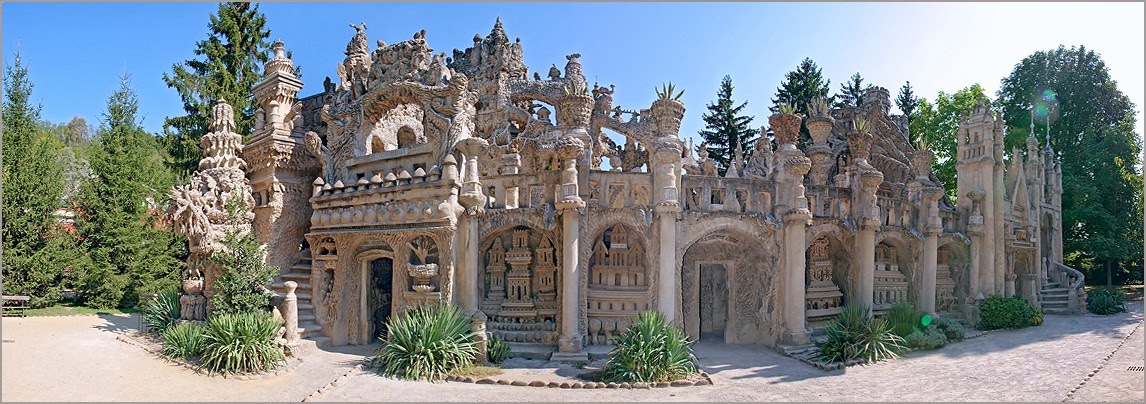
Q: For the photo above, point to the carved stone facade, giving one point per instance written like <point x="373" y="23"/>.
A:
<point x="468" y="180"/>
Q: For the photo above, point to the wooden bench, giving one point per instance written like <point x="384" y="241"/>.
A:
<point x="19" y="304"/>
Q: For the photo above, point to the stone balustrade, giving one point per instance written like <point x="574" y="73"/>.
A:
<point x="735" y="195"/>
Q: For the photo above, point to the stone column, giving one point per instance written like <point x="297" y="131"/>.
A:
<point x="792" y="206"/>
<point x="468" y="275"/>
<point x="510" y="163"/>
<point x="975" y="231"/>
<point x="795" y="272"/>
<point x="290" y="312"/>
<point x="666" y="206"/>
<point x="934" y="226"/>
<point x="569" y="203"/>
<point x="865" y="239"/>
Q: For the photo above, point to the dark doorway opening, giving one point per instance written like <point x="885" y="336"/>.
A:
<point x="381" y="295"/>
<point x="713" y="301"/>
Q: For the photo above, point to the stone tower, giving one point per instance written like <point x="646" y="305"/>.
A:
<point x="979" y="166"/>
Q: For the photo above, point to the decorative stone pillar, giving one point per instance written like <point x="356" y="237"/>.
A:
<point x="792" y="206"/>
<point x="290" y="312"/>
<point x="931" y="233"/>
<point x="868" y="212"/>
<point x="472" y="201"/>
<point x="819" y="127"/>
<point x="569" y="203"/>
<point x="666" y="208"/>
<point x="510" y="164"/>
<point x="975" y="231"/>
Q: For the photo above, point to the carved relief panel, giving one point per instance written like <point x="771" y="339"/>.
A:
<point x="890" y="282"/>
<point x="520" y="293"/>
<point x="823" y="298"/>
<point x="618" y="283"/>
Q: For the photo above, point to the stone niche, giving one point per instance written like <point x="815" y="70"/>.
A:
<point x="520" y="293"/>
<point x="944" y="283"/>
<point x="618" y="284"/>
<point x="891" y="285"/>
<point x="823" y="298"/>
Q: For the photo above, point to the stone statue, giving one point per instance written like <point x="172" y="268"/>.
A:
<point x="760" y="162"/>
<point x="554" y="73"/>
<point x="322" y="153"/>
<point x="707" y="164"/>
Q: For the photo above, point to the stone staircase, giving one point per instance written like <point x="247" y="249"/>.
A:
<point x="307" y="321"/>
<point x="1055" y="298"/>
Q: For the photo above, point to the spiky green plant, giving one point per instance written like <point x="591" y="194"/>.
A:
<point x="242" y="342"/>
<point x="161" y="313"/>
<point x="651" y="350"/>
<point x="574" y="87"/>
<point x="427" y="343"/>
<point x="787" y="108"/>
<point x="184" y="340"/>
<point x="904" y="319"/>
<point x="818" y="107"/>
<point x="853" y="334"/>
<point x="497" y="350"/>
<point x="860" y="124"/>
<point x="667" y="91"/>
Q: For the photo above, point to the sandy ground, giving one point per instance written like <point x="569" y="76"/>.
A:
<point x="79" y="359"/>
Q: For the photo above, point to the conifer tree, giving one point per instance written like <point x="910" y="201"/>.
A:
<point x="851" y="93"/>
<point x="907" y="101"/>
<point x="725" y="128"/>
<point x="33" y="184"/>
<point x="799" y="88"/>
<point x="231" y="64"/>
<point x="119" y="210"/>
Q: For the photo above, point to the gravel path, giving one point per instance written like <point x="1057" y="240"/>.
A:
<point x="79" y="359"/>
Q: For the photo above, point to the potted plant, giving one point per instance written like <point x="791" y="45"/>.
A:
<point x="859" y="140"/>
<point x="667" y="110"/>
<point x="785" y="124"/>
<point x="819" y="120"/>
<point x="576" y="108"/>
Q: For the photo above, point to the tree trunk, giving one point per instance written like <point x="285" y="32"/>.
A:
<point x="1109" y="277"/>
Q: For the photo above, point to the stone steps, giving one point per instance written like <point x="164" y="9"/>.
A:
<point x="299" y="273"/>
<point x="531" y="351"/>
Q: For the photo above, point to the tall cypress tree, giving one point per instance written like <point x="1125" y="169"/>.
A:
<point x="232" y="56"/>
<point x="119" y="210"/>
<point x="851" y="93"/>
<point x="33" y="186"/>
<point x="725" y="127"/>
<point x="800" y="87"/>
<point x="908" y="103"/>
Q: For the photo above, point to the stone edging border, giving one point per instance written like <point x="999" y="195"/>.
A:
<point x="1101" y="365"/>
<point x="292" y="363"/>
<point x="706" y="381"/>
<point x="340" y="380"/>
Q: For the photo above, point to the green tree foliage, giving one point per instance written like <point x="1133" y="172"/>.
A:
<point x="243" y="287"/>
<point x="1092" y="130"/>
<point x="937" y="123"/>
<point x="799" y="88"/>
<point x="32" y="189"/>
<point x="228" y="66"/>
<point x="851" y="93"/>
<point x="908" y="103"/>
<point x="725" y="127"/>
<point x="118" y="213"/>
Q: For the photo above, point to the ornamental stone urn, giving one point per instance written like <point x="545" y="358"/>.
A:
<point x="819" y="127"/>
<point x="786" y="127"/>
<point x="422" y="274"/>
<point x="921" y="163"/>
<point x="667" y="114"/>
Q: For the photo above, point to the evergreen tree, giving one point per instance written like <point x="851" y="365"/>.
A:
<point x="1091" y="126"/>
<point x="799" y="88"/>
<point x="725" y="128"/>
<point x="119" y="210"/>
<point x="851" y="93"/>
<point x="937" y="125"/>
<point x="907" y="103"/>
<point x="33" y="185"/>
<point x="232" y="56"/>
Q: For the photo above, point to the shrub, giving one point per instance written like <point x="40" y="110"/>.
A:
<point x="903" y="319"/>
<point x="498" y="350"/>
<point x="427" y="343"/>
<point x="1106" y="301"/>
<point x="929" y="338"/>
<point x="183" y="341"/>
<point x="1008" y="312"/>
<point x="161" y="313"/>
<point x="242" y="342"/>
<point x="950" y="328"/>
<point x="242" y="286"/>
<point x="853" y="334"/>
<point x="651" y="350"/>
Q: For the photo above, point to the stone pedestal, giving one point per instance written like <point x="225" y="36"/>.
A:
<point x="290" y="312"/>
<point x="865" y="268"/>
<point x="930" y="265"/>
<point x="795" y="270"/>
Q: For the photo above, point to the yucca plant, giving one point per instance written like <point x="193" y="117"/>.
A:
<point x="786" y="108"/>
<point x="243" y="342"/>
<point x="1106" y="301"/>
<point x="860" y="124"/>
<point x="497" y="350"/>
<point x="651" y="350"/>
<point x="573" y="87"/>
<point x="161" y="313"/>
<point x="853" y="334"/>
<point x="667" y="91"/>
<point x="184" y="340"/>
<point x="427" y="343"/>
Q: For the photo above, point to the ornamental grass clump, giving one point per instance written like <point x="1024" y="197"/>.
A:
<point x="243" y="342"/>
<point x="427" y="343"/>
<point x="1106" y="301"/>
<point x="854" y="334"/>
<point x="161" y="313"/>
<point x="651" y="350"/>
<point x="498" y="350"/>
<point x="185" y="340"/>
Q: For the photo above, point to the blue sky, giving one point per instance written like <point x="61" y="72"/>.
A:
<point x="77" y="51"/>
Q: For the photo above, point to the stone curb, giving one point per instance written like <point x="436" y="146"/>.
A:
<point x="1101" y="365"/>
<point x="339" y="381"/>
<point x="706" y="381"/>
<point x="291" y="365"/>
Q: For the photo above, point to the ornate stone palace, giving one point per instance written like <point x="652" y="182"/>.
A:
<point x="420" y="177"/>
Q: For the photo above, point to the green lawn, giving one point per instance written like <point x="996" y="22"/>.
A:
<point x="70" y="309"/>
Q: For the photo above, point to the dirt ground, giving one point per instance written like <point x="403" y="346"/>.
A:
<point x="78" y="358"/>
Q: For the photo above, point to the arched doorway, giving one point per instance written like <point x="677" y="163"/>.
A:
<point x="380" y="299"/>
<point x="713" y="300"/>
